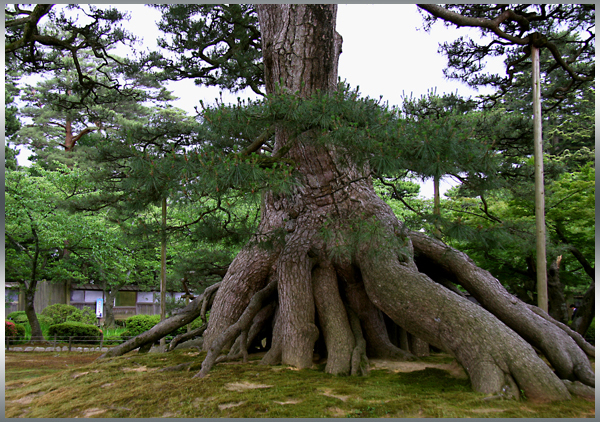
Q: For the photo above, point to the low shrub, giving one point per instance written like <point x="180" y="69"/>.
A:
<point x="45" y="320"/>
<point x="9" y="329"/>
<point x="62" y="313"/>
<point x="15" y="332"/>
<point x="20" y="331"/>
<point x="138" y="324"/>
<point x="80" y="332"/>
<point x="18" y="317"/>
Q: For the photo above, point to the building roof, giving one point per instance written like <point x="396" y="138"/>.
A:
<point x="130" y="288"/>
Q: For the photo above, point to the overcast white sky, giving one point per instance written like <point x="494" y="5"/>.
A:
<point x="384" y="52"/>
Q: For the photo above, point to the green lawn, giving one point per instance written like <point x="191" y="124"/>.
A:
<point x="132" y="386"/>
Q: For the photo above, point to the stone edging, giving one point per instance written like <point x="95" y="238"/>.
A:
<point x="57" y="349"/>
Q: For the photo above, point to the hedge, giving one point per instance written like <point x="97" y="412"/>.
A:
<point x="138" y="324"/>
<point x="9" y="329"/>
<point x="16" y="332"/>
<point x="62" y="313"/>
<point x="80" y="332"/>
<point x="19" y="317"/>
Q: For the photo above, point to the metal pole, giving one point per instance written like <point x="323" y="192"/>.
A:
<point x="540" y="221"/>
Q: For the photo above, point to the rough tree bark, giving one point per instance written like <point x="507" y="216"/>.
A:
<point x="340" y="297"/>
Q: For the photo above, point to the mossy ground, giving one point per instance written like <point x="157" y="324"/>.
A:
<point x="67" y="385"/>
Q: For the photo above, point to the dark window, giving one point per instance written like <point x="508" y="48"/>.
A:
<point x="126" y="298"/>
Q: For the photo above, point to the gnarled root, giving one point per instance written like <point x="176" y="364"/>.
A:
<point x="197" y="332"/>
<point x="246" y="275"/>
<point x="566" y="357"/>
<point x="578" y="338"/>
<point x="360" y="362"/>
<point x="163" y="328"/>
<point x="339" y="337"/>
<point x="241" y="326"/>
<point x="494" y="356"/>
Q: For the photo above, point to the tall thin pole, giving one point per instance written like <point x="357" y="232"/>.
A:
<point x="163" y="266"/>
<point x="538" y="154"/>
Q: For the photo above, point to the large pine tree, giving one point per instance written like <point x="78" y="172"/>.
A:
<point x="342" y="257"/>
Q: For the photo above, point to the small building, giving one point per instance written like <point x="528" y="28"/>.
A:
<point x="130" y="300"/>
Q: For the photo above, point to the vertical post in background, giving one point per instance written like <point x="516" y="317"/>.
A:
<point x="540" y="221"/>
<point x="163" y="267"/>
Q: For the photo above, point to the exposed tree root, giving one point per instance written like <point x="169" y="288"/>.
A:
<point x="561" y="350"/>
<point x="241" y="326"/>
<point x="339" y="337"/>
<point x="578" y="338"/>
<point x="247" y="274"/>
<point x="197" y="332"/>
<point x="360" y="362"/>
<point x="495" y="358"/>
<point x="578" y="389"/>
<point x="163" y="328"/>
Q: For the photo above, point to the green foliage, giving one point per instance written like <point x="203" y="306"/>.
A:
<point x="60" y="313"/>
<point x="9" y="329"/>
<point x="78" y="330"/>
<point x="568" y="29"/>
<point x="21" y="329"/>
<point x="19" y="317"/>
<point x="138" y="324"/>
<point x="193" y="38"/>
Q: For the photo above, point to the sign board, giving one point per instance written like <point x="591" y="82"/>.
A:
<point x="99" y="308"/>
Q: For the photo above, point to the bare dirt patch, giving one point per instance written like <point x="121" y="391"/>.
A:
<point x="241" y="386"/>
<point x="453" y="368"/>
<point x="329" y="393"/>
<point x="28" y="398"/>
<point x="88" y="413"/>
<point x="230" y="405"/>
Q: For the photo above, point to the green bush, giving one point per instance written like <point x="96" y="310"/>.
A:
<point x="138" y="324"/>
<point x="14" y="332"/>
<point x="19" y="317"/>
<point x="20" y="331"/>
<point x="88" y="316"/>
<point x="62" y="313"/>
<point x="80" y="332"/>
<point x="9" y="329"/>
<point x="45" y="320"/>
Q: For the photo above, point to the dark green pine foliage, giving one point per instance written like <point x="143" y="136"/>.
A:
<point x="564" y="32"/>
<point x="39" y="37"/>
<point x="213" y="44"/>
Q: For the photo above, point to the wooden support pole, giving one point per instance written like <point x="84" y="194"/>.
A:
<point x="540" y="221"/>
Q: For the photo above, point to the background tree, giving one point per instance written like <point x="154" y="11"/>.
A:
<point x="563" y="31"/>
<point x="34" y="48"/>
<point x="35" y="228"/>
